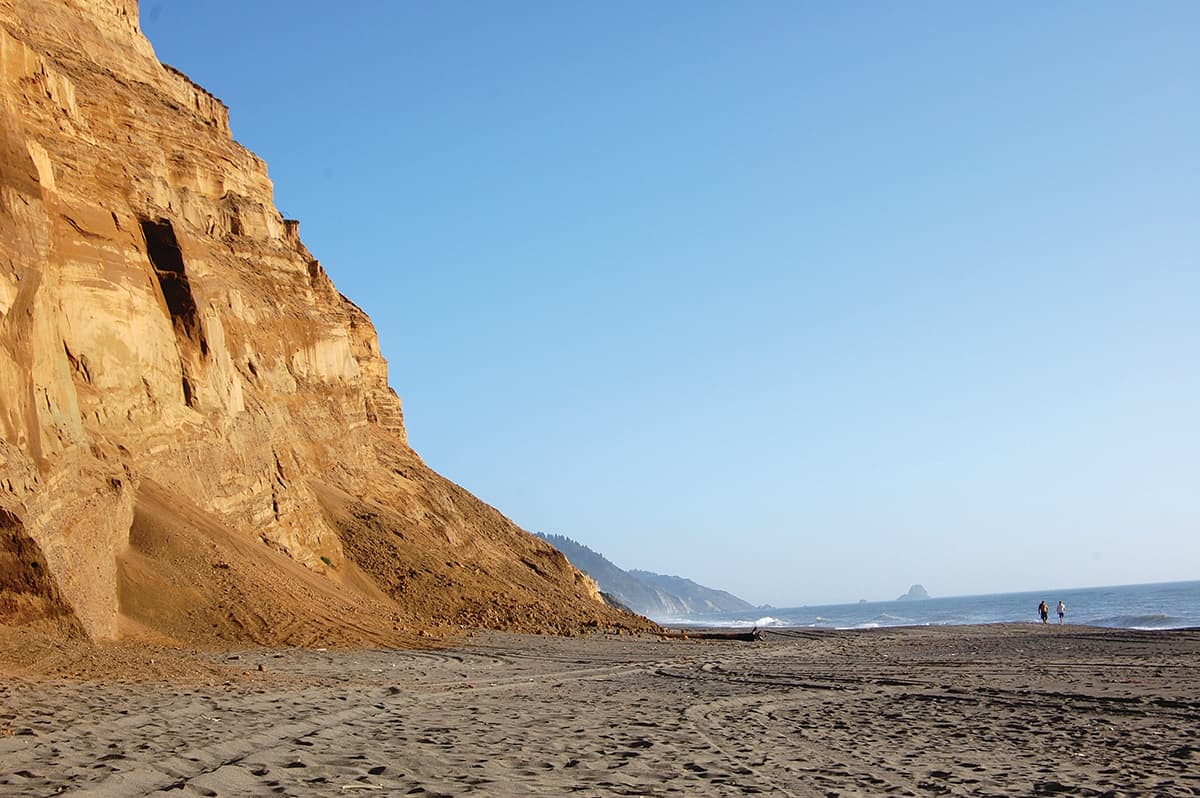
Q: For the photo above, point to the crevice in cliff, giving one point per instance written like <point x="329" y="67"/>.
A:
<point x="167" y="259"/>
<point x="189" y="396"/>
<point x="79" y="365"/>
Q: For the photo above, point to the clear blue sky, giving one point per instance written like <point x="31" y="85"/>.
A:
<point x="806" y="301"/>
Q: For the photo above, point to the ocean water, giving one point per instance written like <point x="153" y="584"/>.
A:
<point x="1170" y="605"/>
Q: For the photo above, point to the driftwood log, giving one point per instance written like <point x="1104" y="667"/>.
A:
<point x="693" y="634"/>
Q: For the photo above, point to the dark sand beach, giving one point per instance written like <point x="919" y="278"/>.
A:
<point x="995" y="710"/>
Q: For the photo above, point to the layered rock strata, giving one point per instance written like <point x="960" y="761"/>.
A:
<point x="197" y="436"/>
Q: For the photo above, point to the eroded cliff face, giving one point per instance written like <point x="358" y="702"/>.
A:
<point x="194" y="423"/>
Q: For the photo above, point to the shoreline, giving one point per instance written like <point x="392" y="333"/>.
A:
<point x="742" y="630"/>
<point x="981" y="710"/>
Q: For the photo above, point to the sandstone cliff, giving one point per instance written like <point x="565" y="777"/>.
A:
<point x="198" y="441"/>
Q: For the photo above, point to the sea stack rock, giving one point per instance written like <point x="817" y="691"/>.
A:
<point x="914" y="592"/>
<point x="198" y="440"/>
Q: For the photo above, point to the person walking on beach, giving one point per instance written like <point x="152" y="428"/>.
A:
<point x="1062" y="611"/>
<point x="1044" y="611"/>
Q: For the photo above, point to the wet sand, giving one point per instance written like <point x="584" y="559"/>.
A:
<point x="996" y="710"/>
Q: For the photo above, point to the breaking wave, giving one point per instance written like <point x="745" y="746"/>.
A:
<point x="1149" y="622"/>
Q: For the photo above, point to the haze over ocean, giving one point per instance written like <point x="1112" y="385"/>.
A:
<point x="808" y="302"/>
<point x="1173" y="605"/>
